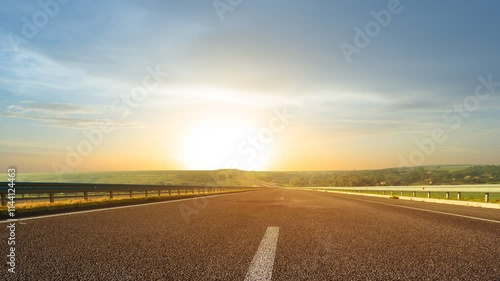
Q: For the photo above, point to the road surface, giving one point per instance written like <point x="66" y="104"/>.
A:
<point x="276" y="234"/>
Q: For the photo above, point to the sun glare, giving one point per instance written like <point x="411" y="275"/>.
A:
<point x="212" y="144"/>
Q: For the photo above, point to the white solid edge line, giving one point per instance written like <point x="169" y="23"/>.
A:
<point x="114" y="208"/>
<point x="426" y="210"/>
<point x="262" y="264"/>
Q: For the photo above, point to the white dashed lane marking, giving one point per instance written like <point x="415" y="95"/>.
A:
<point x="262" y="264"/>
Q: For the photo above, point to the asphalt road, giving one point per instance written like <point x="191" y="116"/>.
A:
<point x="289" y="234"/>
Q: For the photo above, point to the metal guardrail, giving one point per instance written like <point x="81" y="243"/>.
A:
<point x="59" y="190"/>
<point x="487" y="189"/>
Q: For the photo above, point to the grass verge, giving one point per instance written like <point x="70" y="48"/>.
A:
<point x="466" y="196"/>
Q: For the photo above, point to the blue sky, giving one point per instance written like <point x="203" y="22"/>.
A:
<point x="227" y="77"/>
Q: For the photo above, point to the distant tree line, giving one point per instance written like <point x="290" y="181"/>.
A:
<point x="386" y="177"/>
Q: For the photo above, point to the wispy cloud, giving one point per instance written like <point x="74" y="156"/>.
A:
<point x="24" y="145"/>
<point x="56" y="108"/>
<point x="30" y="73"/>
<point x="65" y="115"/>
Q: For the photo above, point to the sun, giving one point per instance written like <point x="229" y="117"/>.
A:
<point x="212" y="144"/>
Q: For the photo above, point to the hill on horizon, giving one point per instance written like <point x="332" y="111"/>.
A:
<point x="428" y="175"/>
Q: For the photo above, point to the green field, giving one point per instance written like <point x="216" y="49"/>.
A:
<point x="428" y="175"/>
<point x="205" y="178"/>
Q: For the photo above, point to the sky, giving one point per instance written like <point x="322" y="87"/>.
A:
<point x="253" y="85"/>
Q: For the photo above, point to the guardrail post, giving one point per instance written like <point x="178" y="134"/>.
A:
<point x="178" y="192"/>
<point x="130" y="193"/>
<point x="414" y="193"/>
<point x="402" y="193"/>
<point x="169" y="192"/>
<point x="159" y="192"/>
<point x="192" y="190"/>
<point x="428" y="194"/>
<point x="110" y="194"/>
<point x="4" y="202"/>
<point x="146" y="193"/>
<point x="51" y="195"/>
<point x="383" y="192"/>
<point x="459" y="195"/>
<point x="85" y="195"/>
<point x="486" y="197"/>
<point x="447" y="195"/>
<point x="392" y="192"/>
